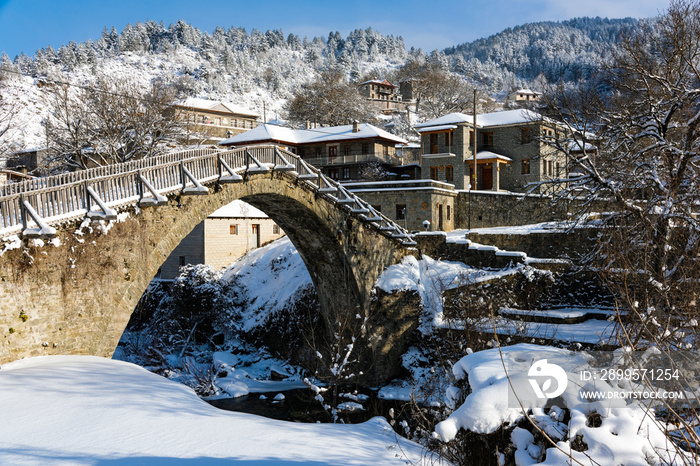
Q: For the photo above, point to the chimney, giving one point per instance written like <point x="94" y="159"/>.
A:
<point x="355" y="126"/>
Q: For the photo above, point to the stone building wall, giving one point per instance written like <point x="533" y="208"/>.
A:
<point x="495" y="209"/>
<point x="222" y="247"/>
<point x="423" y="200"/>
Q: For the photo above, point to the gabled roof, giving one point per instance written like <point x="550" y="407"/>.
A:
<point x="525" y="91"/>
<point x="485" y="120"/>
<point x="238" y="209"/>
<point x="273" y="133"/>
<point x="376" y="81"/>
<point x="214" y="106"/>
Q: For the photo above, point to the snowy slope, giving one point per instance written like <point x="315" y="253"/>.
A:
<point x="82" y="410"/>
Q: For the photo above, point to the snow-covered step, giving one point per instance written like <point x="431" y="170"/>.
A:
<point x="567" y="315"/>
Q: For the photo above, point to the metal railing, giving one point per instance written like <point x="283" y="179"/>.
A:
<point x="31" y="207"/>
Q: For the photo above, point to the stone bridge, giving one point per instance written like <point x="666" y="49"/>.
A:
<point x="81" y="248"/>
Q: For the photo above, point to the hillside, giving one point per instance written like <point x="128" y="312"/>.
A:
<point x="261" y="71"/>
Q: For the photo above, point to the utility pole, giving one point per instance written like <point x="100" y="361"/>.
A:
<point x="474" y="149"/>
<point x="472" y="179"/>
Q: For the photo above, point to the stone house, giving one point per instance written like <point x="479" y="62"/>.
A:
<point x="523" y="96"/>
<point x="510" y="153"/>
<point x="383" y="95"/>
<point x="210" y="121"/>
<point x="222" y="238"/>
<point x="340" y="152"/>
<point x="411" y="202"/>
<point x="28" y="161"/>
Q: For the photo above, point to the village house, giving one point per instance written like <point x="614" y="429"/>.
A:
<point x="210" y="121"/>
<point x="523" y="96"/>
<point x="510" y="152"/>
<point x="222" y="238"/>
<point x="383" y="95"/>
<point x="341" y="152"/>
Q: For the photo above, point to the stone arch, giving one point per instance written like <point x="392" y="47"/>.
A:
<point x="79" y="296"/>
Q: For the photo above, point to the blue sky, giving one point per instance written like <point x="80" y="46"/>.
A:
<point x="28" y="25"/>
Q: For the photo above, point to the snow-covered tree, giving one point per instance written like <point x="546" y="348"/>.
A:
<point x="329" y="100"/>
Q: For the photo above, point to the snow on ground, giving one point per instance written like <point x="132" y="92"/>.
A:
<point x="271" y="276"/>
<point x="591" y="331"/>
<point x="627" y="435"/>
<point x="84" y="410"/>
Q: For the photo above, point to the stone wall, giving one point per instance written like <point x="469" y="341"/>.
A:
<point x="494" y="209"/>
<point x="555" y="244"/>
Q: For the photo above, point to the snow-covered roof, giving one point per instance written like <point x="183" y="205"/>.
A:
<point x="486" y="155"/>
<point x="238" y="209"/>
<point x="309" y="136"/>
<point x="485" y="120"/>
<point x="578" y="145"/>
<point x="214" y="106"/>
<point x="376" y="81"/>
<point x="525" y="91"/>
<point x="436" y="128"/>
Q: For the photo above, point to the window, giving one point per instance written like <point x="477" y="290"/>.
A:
<point x="377" y="207"/>
<point x="434" y="173"/>
<point x="275" y="229"/>
<point x="487" y="139"/>
<point x="449" y="173"/>
<point x="333" y="173"/>
<point x="551" y="171"/>
<point x="448" y="212"/>
<point x="557" y="169"/>
<point x="346" y="173"/>
<point x="525" y="167"/>
<point x="346" y="150"/>
<point x="525" y="136"/>
<point x="471" y="138"/>
<point x="365" y="148"/>
<point x="233" y="229"/>
<point x="318" y="152"/>
<point x="400" y="211"/>
<point x="386" y="150"/>
<point x="332" y="153"/>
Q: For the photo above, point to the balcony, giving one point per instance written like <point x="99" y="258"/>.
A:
<point x="353" y="159"/>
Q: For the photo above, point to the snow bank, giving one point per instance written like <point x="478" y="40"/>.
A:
<point x="627" y="435"/>
<point x="83" y="410"/>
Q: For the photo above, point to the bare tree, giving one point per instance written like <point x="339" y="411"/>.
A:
<point x="632" y="146"/>
<point x="114" y="120"/>
<point x="8" y="111"/>
<point x="437" y="91"/>
<point x="329" y="100"/>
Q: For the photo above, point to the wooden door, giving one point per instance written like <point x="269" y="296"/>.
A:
<point x="256" y="236"/>
<point x="487" y="178"/>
